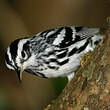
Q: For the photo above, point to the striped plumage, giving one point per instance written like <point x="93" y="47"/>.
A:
<point x="52" y="53"/>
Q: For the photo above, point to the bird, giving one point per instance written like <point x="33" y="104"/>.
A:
<point x="52" y="53"/>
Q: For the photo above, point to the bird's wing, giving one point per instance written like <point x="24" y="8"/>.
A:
<point x="67" y="36"/>
<point x="86" y="32"/>
<point x="64" y="37"/>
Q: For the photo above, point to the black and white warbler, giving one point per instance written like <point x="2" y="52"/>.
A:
<point x="52" y="53"/>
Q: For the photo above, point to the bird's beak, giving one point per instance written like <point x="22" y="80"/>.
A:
<point x="19" y="72"/>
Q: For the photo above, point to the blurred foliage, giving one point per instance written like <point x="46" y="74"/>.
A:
<point x="59" y="84"/>
<point x="11" y="1"/>
<point x="4" y="103"/>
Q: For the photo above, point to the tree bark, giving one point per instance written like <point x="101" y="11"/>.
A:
<point x="90" y="88"/>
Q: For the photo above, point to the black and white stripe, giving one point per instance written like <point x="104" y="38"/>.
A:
<point x="62" y="39"/>
<point x="53" y="53"/>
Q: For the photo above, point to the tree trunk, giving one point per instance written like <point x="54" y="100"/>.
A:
<point x="90" y="88"/>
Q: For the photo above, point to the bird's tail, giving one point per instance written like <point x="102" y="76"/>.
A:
<point x="98" y="37"/>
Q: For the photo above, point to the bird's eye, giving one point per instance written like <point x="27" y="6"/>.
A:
<point x="23" y="54"/>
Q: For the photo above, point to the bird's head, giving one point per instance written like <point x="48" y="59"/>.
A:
<point x="17" y="56"/>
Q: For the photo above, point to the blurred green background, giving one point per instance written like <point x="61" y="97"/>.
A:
<point x="19" y="18"/>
